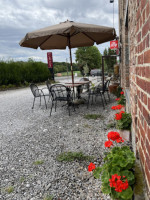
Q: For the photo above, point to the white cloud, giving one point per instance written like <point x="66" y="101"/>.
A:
<point x="19" y="17"/>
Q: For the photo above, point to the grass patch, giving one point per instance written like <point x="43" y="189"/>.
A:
<point x="72" y="156"/>
<point x="87" y="126"/>
<point x="22" y="179"/>
<point x="69" y="73"/>
<point x="111" y="125"/>
<point x="38" y="162"/>
<point x="10" y="189"/>
<point x="93" y="116"/>
<point x="48" y="197"/>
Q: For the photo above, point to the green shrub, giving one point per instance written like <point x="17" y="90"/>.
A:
<point x="18" y="73"/>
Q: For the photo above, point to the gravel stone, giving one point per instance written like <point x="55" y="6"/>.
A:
<point x="27" y="136"/>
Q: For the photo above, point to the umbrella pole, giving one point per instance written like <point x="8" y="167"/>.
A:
<point x="71" y="64"/>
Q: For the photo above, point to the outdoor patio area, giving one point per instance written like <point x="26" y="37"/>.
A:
<point x="32" y="140"/>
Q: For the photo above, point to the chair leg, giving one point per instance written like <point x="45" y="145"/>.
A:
<point x="102" y="100"/>
<point x="88" y="101"/>
<point x="51" y="108"/>
<point x="68" y="107"/>
<point x="55" y="105"/>
<point x="45" y="102"/>
<point x="108" y="95"/>
<point x="40" y="100"/>
<point x="33" y="103"/>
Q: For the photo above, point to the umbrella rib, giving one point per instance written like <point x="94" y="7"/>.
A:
<point x="88" y="36"/>
<point x="44" y="41"/>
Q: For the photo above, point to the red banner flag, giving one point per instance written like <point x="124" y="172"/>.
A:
<point x="114" y="44"/>
<point x="50" y="59"/>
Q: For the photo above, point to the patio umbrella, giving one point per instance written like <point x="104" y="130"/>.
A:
<point x="68" y="34"/>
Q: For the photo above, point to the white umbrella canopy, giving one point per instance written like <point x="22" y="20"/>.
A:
<point x="68" y="34"/>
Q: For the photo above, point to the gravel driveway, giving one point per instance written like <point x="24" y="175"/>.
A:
<point x="28" y="136"/>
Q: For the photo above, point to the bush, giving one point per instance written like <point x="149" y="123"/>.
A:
<point x="18" y="73"/>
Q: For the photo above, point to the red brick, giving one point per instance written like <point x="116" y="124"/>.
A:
<point x="139" y="37"/>
<point x="143" y="3"/>
<point x="147" y="9"/>
<point x="148" y="135"/>
<point x="142" y="132"/>
<point x="148" y="145"/>
<point x="141" y="156"/>
<point x="147" y="173"/>
<point x="147" y="56"/>
<point x="147" y="72"/>
<point x="146" y="115"/>
<point x="147" y="41"/>
<point x="138" y="14"/>
<point x="140" y="106"/>
<point x="145" y="28"/>
<point x="144" y="16"/>
<point x="148" y="87"/>
<point x="145" y="99"/>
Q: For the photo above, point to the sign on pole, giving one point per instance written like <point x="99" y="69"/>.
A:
<point x="50" y="59"/>
<point x="50" y="63"/>
<point x="114" y="44"/>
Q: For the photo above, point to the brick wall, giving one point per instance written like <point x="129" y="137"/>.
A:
<point x="139" y="76"/>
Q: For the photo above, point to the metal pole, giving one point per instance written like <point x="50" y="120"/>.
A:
<point x="70" y="59"/>
<point x="103" y="71"/>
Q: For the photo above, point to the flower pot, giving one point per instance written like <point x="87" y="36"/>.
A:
<point x="113" y="88"/>
<point x="126" y="135"/>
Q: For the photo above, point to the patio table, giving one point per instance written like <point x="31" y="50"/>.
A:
<point x="78" y="86"/>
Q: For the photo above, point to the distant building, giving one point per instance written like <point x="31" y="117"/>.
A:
<point x="134" y="31"/>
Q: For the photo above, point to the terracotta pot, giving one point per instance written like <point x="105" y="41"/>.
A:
<point x="113" y="88"/>
<point x="125" y="134"/>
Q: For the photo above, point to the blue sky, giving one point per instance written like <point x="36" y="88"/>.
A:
<point x="17" y="17"/>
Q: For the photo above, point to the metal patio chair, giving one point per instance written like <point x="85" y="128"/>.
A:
<point x="48" y="84"/>
<point x="61" y="93"/>
<point x="94" y="92"/>
<point x="38" y="93"/>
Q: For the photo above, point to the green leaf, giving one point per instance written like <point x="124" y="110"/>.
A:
<point x="129" y="176"/>
<point x="97" y="171"/>
<point x="106" y="189"/>
<point x="105" y="177"/>
<point x="115" y="170"/>
<point x="126" y="194"/>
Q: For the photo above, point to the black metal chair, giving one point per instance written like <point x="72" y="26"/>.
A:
<point x="38" y="93"/>
<point x="105" y="89"/>
<point x="95" y="91"/>
<point x="48" y="84"/>
<point x="60" y="93"/>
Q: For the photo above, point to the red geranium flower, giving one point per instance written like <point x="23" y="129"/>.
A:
<point x="113" y="135"/>
<point x="91" y="167"/>
<point x="118" y="107"/>
<point x="117" y="99"/>
<point x="108" y="144"/>
<point x="121" y="92"/>
<point x="118" y="116"/>
<point x="117" y="182"/>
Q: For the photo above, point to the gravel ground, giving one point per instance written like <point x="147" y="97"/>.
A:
<point x="28" y="135"/>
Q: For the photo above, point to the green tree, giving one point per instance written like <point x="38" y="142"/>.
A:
<point x="88" y="56"/>
<point x="110" y="61"/>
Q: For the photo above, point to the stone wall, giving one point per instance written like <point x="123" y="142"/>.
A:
<point x="135" y="27"/>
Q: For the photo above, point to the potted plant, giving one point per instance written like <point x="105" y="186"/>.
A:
<point x="117" y="172"/>
<point x="123" y="123"/>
